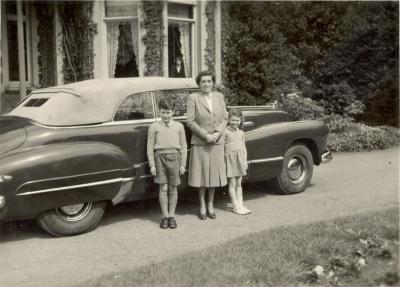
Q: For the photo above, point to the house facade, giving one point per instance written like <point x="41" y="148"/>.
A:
<point x="47" y="43"/>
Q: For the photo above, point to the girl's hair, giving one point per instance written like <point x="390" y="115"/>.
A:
<point x="236" y="113"/>
<point x="204" y="73"/>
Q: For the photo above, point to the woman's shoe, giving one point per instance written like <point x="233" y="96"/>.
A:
<point x="164" y="223"/>
<point x="201" y="216"/>
<point x="211" y="215"/>
<point x="172" y="223"/>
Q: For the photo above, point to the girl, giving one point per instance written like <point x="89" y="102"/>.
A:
<point x="236" y="160"/>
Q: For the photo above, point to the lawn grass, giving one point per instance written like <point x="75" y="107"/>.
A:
<point x="286" y="256"/>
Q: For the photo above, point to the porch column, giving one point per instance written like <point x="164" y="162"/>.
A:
<point x="21" y="51"/>
<point x="218" y="46"/>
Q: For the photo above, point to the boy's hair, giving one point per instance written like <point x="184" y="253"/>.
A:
<point x="166" y="103"/>
<point x="204" y="73"/>
<point x="236" y="113"/>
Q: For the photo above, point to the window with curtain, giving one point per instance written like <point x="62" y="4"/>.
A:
<point x="122" y="38"/>
<point x="180" y="33"/>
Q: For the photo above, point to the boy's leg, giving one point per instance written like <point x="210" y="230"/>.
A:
<point x="172" y="199"/>
<point x="163" y="198"/>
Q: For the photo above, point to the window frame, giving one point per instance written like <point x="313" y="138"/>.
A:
<point x="192" y="22"/>
<point x="151" y="119"/>
<point x="128" y="19"/>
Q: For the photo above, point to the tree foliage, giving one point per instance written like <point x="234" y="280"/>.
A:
<point x="341" y="54"/>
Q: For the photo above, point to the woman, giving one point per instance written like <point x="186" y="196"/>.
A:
<point x="207" y="118"/>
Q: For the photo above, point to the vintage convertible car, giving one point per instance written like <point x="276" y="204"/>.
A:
<point x="69" y="151"/>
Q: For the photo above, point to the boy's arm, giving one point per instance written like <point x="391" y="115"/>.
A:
<point x="150" y="146"/>
<point x="183" y="144"/>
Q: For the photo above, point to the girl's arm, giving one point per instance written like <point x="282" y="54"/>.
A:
<point x="244" y="147"/>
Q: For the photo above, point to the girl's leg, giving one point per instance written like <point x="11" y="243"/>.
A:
<point x="202" y="192"/>
<point x="163" y="198"/>
<point x="232" y="192"/>
<point x="211" y="192"/>
<point x="172" y="200"/>
<point x="239" y="194"/>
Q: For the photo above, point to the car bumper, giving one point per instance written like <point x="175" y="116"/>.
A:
<point x="326" y="156"/>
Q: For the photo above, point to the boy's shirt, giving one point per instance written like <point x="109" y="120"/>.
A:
<point x="162" y="136"/>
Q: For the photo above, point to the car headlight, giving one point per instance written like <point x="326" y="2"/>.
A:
<point x="5" y="178"/>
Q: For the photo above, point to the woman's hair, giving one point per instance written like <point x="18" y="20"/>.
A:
<point x="166" y="104"/>
<point x="236" y="113"/>
<point x="204" y="73"/>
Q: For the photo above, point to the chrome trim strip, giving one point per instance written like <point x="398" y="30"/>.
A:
<point x="266" y="159"/>
<point x="146" y="176"/>
<point x="109" y="181"/>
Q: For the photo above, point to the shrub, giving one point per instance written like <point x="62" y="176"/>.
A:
<point x="301" y="108"/>
<point x="361" y="137"/>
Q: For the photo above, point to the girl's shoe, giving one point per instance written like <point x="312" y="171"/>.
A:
<point x="238" y="210"/>
<point x="244" y="208"/>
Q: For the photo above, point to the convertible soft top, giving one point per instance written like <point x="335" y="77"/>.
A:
<point x="89" y="102"/>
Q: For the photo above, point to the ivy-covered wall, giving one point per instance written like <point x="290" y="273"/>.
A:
<point x="209" y="50"/>
<point x="46" y="45"/>
<point x="78" y="31"/>
<point x="153" y="39"/>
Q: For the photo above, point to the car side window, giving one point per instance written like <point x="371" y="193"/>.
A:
<point x="180" y="97"/>
<point x="135" y="107"/>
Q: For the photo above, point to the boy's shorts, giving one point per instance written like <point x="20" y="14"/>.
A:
<point x="167" y="166"/>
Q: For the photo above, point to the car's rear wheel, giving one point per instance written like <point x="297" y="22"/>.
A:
<point x="297" y="170"/>
<point x="72" y="219"/>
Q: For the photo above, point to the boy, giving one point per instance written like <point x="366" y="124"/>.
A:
<point x="166" y="151"/>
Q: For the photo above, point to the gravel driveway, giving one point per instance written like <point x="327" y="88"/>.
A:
<point x="129" y="235"/>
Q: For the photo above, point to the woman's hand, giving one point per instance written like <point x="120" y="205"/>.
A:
<point x="210" y="138"/>
<point x="216" y="136"/>
<point x="182" y="170"/>
<point x="153" y="171"/>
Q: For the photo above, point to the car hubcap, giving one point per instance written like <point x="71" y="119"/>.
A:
<point x="74" y="212"/>
<point x="297" y="168"/>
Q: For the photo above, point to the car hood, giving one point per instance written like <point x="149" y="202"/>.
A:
<point x="12" y="133"/>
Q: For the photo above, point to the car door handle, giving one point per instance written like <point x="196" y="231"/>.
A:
<point x="248" y="124"/>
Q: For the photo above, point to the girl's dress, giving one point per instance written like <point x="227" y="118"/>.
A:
<point x="235" y="152"/>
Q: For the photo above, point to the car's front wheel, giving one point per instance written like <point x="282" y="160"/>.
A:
<point x="297" y="170"/>
<point x="72" y="219"/>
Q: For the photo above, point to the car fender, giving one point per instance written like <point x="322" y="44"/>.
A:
<point x="56" y="175"/>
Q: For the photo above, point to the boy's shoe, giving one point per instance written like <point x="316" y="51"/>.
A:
<point x="164" y="223"/>
<point x="244" y="208"/>
<point x="172" y="223"/>
<point x="238" y="210"/>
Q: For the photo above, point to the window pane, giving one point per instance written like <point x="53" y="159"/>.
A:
<point x="180" y="11"/>
<point x="180" y="98"/>
<point x="135" y="107"/>
<point x="122" y="41"/>
<point x="180" y="49"/>
<point x="121" y="8"/>
<point x="12" y="39"/>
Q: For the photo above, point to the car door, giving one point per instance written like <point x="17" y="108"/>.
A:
<point x="131" y="122"/>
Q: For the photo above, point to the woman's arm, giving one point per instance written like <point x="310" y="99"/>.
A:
<point x="191" y="118"/>
<point x="223" y="116"/>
